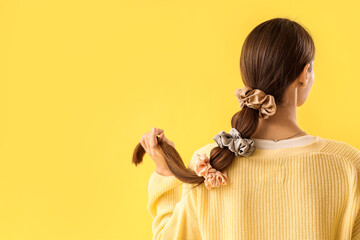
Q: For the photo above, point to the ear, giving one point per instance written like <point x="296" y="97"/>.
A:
<point x="303" y="78"/>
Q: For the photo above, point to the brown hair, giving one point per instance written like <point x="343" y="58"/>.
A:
<point x="272" y="57"/>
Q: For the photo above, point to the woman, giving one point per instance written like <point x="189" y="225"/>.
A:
<point x="266" y="178"/>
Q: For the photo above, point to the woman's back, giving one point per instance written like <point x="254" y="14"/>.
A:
<point x="310" y="191"/>
<point x="309" y="188"/>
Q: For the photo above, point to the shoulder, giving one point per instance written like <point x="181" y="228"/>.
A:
<point x="204" y="149"/>
<point x="342" y="149"/>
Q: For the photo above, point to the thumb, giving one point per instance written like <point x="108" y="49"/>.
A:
<point x="161" y="136"/>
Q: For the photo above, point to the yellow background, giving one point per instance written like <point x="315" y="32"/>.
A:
<point x="81" y="81"/>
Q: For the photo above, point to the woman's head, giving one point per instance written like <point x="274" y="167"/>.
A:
<point x="276" y="56"/>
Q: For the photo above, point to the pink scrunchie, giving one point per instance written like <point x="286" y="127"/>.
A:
<point x="213" y="178"/>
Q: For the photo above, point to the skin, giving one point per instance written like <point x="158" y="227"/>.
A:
<point x="281" y="125"/>
<point x="149" y="142"/>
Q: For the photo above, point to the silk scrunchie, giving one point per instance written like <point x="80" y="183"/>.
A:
<point x="256" y="99"/>
<point x="213" y="178"/>
<point x="233" y="140"/>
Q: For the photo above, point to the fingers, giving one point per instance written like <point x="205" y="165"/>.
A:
<point x="162" y="136"/>
<point x="168" y="141"/>
<point x="148" y="140"/>
<point x="165" y="138"/>
<point x="152" y="136"/>
<point x="143" y="141"/>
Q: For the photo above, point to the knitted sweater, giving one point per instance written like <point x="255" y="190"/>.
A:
<point x="309" y="191"/>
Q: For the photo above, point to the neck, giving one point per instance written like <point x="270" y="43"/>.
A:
<point x="281" y="125"/>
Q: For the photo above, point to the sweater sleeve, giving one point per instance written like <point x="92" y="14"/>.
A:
<point x="355" y="157"/>
<point x="356" y="229"/>
<point x="174" y="216"/>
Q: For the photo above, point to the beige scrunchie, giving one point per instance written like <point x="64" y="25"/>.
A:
<point x="256" y="99"/>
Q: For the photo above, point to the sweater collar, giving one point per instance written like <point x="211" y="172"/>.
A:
<point x="285" y="143"/>
<point x="306" y="147"/>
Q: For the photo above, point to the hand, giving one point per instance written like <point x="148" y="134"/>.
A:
<point x="149" y="142"/>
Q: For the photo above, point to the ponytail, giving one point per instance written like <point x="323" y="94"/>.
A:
<point x="220" y="158"/>
<point x="172" y="159"/>
<point x="272" y="57"/>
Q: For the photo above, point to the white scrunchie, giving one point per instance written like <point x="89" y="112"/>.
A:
<point x="233" y="140"/>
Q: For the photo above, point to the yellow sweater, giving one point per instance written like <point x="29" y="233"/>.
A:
<point x="304" y="192"/>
